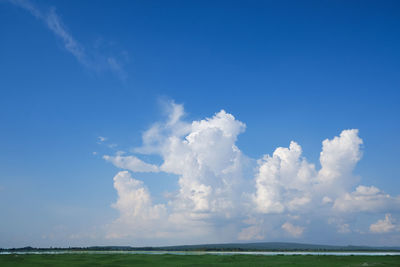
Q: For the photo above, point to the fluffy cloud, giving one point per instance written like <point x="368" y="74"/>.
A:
<point x="134" y="199"/>
<point x="287" y="182"/>
<point x="141" y="219"/>
<point x="364" y="198"/>
<point x="339" y="156"/>
<point x="295" y="231"/>
<point x="137" y="213"/>
<point x="384" y="226"/>
<point x="208" y="163"/>
<point x="131" y="163"/>
<point x="283" y="181"/>
<point x="253" y="232"/>
<point x="223" y="195"/>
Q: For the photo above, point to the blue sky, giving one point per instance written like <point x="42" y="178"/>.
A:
<point x="82" y="85"/>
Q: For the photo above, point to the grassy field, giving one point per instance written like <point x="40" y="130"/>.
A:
<point x="193" y="260"/>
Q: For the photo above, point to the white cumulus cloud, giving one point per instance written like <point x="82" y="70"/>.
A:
<point x="224" y="196"/>
<point x="295" y="231"/>
<point x="131" y="163"/>
<point x="339" y="157"/>
<point x="283" y="180"/>
<point x="137" y="212"/>
<point x="384" y="226"/>
<point x="369" y="199"/>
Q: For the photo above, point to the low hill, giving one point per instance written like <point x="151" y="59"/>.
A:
<point x="275" y="246"/>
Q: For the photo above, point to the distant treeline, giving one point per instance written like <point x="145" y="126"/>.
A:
<point x="234" y="247"/>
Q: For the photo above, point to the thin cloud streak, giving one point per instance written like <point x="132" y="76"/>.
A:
<point x="54" y="23"/>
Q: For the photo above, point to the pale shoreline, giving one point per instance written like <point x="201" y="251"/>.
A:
<point x="265" y="253"/>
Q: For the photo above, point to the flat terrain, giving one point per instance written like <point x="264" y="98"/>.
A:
<point x="193" y="260"/>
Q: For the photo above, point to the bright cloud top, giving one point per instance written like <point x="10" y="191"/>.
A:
<point x="226" y="196"/>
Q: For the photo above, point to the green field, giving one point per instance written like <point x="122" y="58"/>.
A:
<point x="193" y="260"/>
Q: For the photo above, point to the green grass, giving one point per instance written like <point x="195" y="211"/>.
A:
<point x="193" y="260"/>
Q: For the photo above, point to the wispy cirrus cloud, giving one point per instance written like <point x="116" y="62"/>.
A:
<point x="54" y="23"/>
